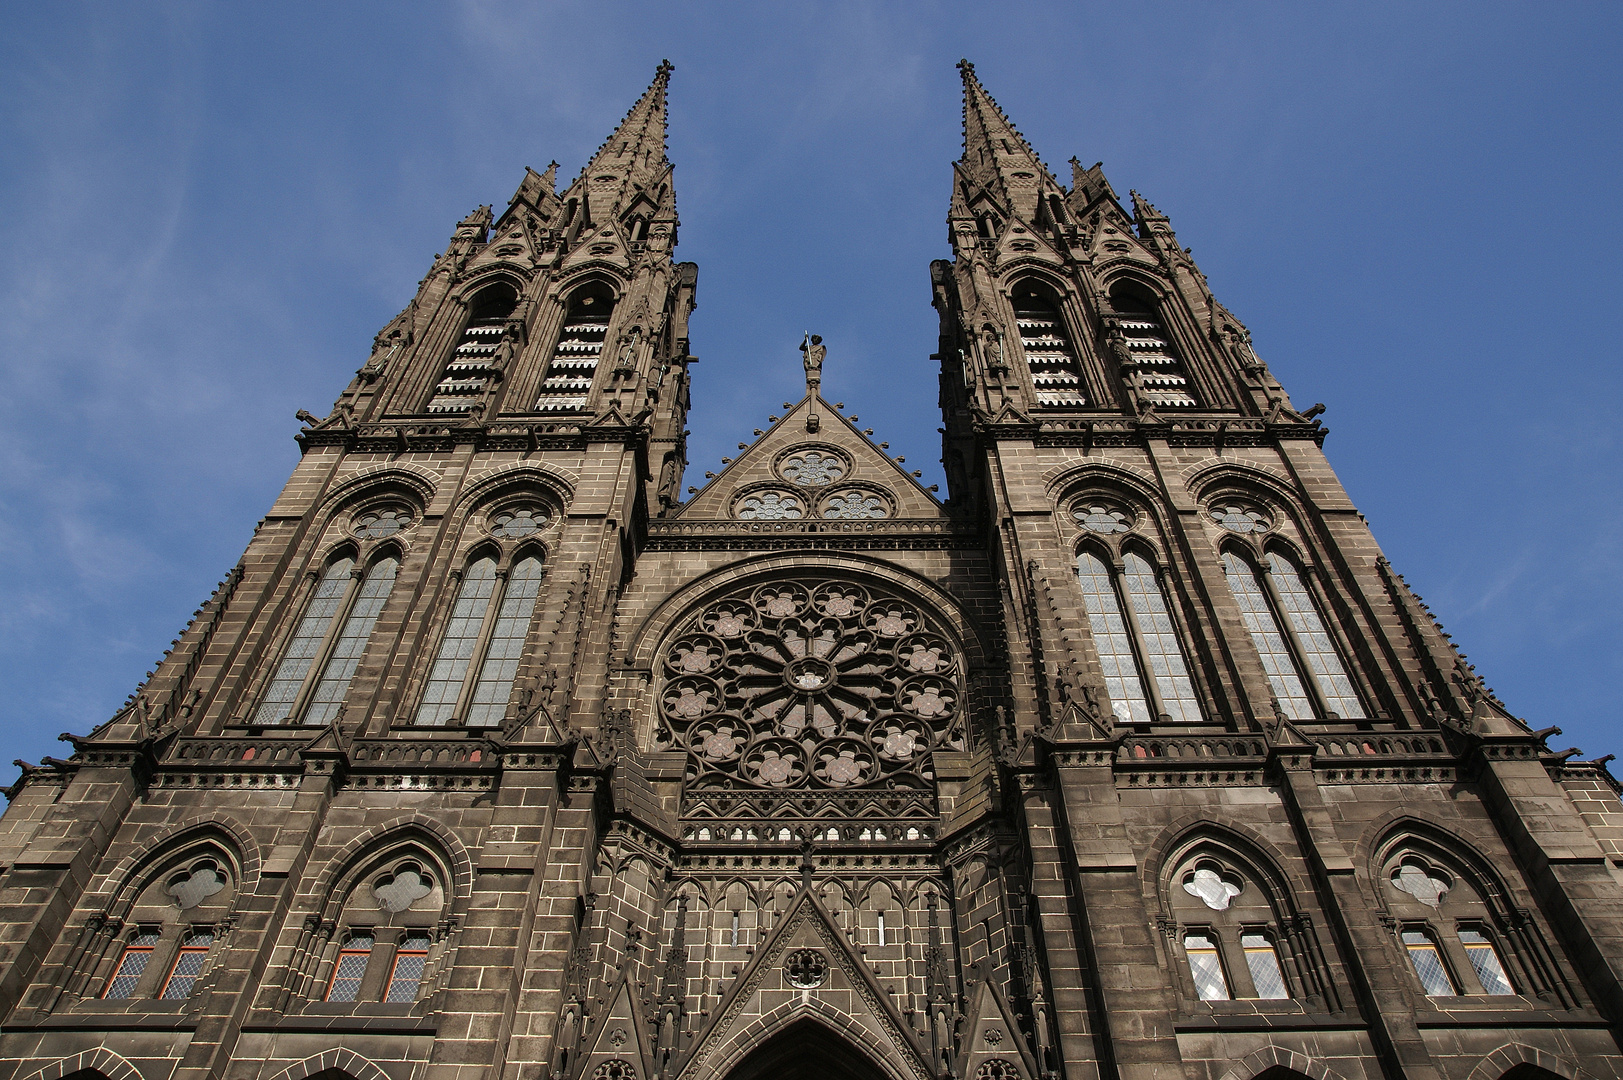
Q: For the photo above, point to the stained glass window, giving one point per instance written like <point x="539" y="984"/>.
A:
<point x="1484" y="960"/>
<point x="459" y="656"/>
<point x="132" y="962"/>
<point x="1101" y="518"/>
<point x="378" y="523"/>
<point x="1428" y="963"/>
<point x="1164" y="654"/>
<point x="813" y="468"/>
<point x="1258" y="617"/>
<point x="350" y="968"/>
<point x="346" y="653"/>
<point x="188" y="965"/>
<point x="1320" y="652"/>
<point x="1112" y="640"/>
<point x="1206" y="966"/>
<point x="282" y="694"/>
<point x="771" y="506"/>
<point x="406" y="977"/>
<point x="1263" y="960"/>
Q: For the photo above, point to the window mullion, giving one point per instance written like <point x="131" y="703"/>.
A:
<point x="476" y="662"/>
<point x="1141" y="651"/>
<point x="1308" y="677"/>
<point x="318" y="663"/>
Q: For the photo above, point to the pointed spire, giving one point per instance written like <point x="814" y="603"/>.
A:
<point x="996" y="155"/>
<point x="639" y="142"/>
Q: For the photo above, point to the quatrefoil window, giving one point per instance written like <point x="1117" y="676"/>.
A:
<point x="1215" y="888"/>
<point x="1239" y="518"/>
<point x="812" y="468"/>
<point x="806" y="969"/>
<point x="1102" y="517"/>
<point x="382" y="521"/>
<point x="1422" y="881"/>
<point x="810" y="683"/>
<point x="515" y="522"/>
<point x="855" y="503"/>
<point x="190" y="888"/>
<point x="401" y="889"/>
<point x="771" y="506"/>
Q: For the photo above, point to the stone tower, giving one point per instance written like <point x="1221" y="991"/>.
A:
<point x="495" y="759"/>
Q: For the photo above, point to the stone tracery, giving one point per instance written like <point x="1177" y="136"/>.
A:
<point x="814" y="682"/>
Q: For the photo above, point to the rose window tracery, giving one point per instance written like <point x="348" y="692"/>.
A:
<point x="1102" y="517"/>
<point x="771" y="506"/>
<point x="814" y="683"/>
<point x="382" y="521"/>
<point x="855" y="503"/>
<point x="813" y="468"/>
<point x="519" y="521"/>
<point x="1240" y="518"/>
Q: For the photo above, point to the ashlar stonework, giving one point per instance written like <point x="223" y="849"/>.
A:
<point x="497" y="758"/>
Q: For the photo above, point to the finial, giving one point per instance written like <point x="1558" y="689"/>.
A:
<point x="967" y="69"/>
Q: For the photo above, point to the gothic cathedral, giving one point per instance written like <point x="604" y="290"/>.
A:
<point x="499" y="756"/>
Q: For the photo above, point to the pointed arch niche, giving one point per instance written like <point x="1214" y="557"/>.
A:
<point x="1144" y="349"/>
<point x="806" y="1050"/>
<point x="1051" y="355"/>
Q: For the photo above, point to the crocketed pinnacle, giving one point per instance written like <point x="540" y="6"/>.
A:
<point x="995" y="154"/>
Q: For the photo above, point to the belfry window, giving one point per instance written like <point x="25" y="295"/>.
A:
<point x="1050" y="354"/>
<point x="327" y="644"/>
<point x="472" y="677"/>
<point x="1152" y="362"/>
<point x="475" y="357"/>
<point x="580" y="347"/>
<point x="1148" y="641"/>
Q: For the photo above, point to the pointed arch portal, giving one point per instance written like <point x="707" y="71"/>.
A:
<point x="806" y="1050"/>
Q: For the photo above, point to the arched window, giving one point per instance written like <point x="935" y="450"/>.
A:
<point x="1232" y="930"/>
<point x="132" y="964"/>
<point x="347" y="973"/>
<point x="1449" y="931"/>
<point x="1149" y="634"/>
<point x="474" y="359"/>
<point x="327" y="644"/>
<point x="580" y="346"/>
<point x="188" y="965"/>
<point x="1050" y="355"/>
<point x="1301" y="633"/>
<point x="472" y="676"/>
<point x="1154" y="363"/>
<point x="410" y="961"/>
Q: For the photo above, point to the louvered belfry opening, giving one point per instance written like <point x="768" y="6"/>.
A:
<point x="1050" y="354"/>
<point x="580" y="346"/>
<point x="468" y="374"/>
<point x="1161" y="373"/>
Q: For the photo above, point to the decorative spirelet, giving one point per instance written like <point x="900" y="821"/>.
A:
<point x="810" y="683"/>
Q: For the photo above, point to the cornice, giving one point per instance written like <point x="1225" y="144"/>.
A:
<point x="1090" y="431"/>
<point x="426" y="435"/>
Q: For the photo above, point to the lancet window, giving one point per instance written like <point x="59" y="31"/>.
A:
<point x="580" y="346"/>
<point x="1291" y="637"/>
<point x="1050" y="353"/>
<point x="1450" y="933"/>
<point x="1151" y="360"/>
<point x="1135" y="637"/>
<point x="320" y="659"/>
<point x="472" y="677"/>
<point x="1235" y="941"/>
<point x="477" y="354"/>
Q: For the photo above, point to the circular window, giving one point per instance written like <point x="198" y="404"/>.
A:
<point x="518" y="521"/>
<point x="818" y="683"/>
<point x="806" y="969"/>
<point x="814" y="467"/>
<point x="770" y="506"/>
<point x="854" y="503"/>
<point x="382" y="521"/>
<point x="1100" y="516"/>
<point x="1239" y="517"/>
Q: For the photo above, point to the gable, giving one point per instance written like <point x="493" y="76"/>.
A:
<point x="813" y="464"/>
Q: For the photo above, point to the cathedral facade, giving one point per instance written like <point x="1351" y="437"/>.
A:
<point x="499" y="756"/>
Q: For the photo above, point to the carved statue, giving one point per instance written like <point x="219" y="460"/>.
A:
<point x="992" y="348"/>
<point x="812" y="352"/>
<point x="628" y="349"/>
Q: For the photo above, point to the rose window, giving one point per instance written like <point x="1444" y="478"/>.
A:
<point x="1101" y="518"/>
<point x="806" y="969"/>
<point x="813" y="468"/>
<point x="855" y="504"/>
<point x="770" y="506"/>
<point x="1240" y="519"/>
<point x="810" y="683"/>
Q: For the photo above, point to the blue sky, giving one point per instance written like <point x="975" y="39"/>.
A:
<point x="207" y="210"/>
